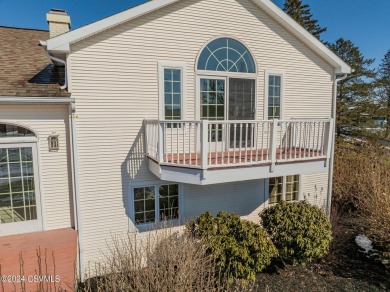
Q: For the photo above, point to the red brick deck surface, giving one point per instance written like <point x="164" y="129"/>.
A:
<point x="60" y="244"/>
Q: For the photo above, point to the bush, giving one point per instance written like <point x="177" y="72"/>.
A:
<point x="241" y="248"/>
<point x="160" y="261"/>
<point x="361" y="183"/>
<point x="300" y="231"/>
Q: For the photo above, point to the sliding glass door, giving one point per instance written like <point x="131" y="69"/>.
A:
<point x="242" y="106"/>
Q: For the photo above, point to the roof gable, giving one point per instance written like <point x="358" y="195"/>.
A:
<point x="61" y="44"/>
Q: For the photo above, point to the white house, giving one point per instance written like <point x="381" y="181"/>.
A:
<point x="167" y="110"/>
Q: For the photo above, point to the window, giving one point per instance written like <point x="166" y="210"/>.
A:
<point x="275" y="189"/>
<point x="172" y="94"/>
<point x="226" y="54"/>
<point x="17" y="185"/>
<point x="8" y="130"/>
<point x="171" y="90"/>
<point x="292" y="188"/>
<point x="156" y="203"/>
<point x="283" y="188"/>
<point x="274" y="96"/>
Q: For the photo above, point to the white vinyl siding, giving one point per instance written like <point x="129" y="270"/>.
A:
<point x="54" y="167"/>
<point x="115" y="81"/>
<point x="246" y="198"/>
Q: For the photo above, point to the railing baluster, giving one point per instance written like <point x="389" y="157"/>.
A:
<point x="189" y="142"/>
<point x="257" y="142"/>
<point x="204" y="142"/>
<point x="184" y="142"/>
<point x="240" y="143"/>
<point x="285" y="141"/>
<point x="317" y="137"/>
<point x="234" y="143"/>
<point x="216" y="143"/>
<point x="209" y="142"/>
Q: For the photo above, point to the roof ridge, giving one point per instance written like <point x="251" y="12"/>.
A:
<point x="23" y="28"/>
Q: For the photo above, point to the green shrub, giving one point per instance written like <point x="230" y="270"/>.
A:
<point x="241" y="248"/>
<point x="299" y="230"/>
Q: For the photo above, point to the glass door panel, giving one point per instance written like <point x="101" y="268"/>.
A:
<point x="212" y="99"/>
<point x="242" y="99"/>
<point x="18" y="199"/>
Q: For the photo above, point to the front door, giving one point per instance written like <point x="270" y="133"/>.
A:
<point x="19" y="199"/>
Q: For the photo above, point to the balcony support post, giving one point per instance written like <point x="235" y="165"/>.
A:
<point x="204" y="143"/>
<point x="274" y="127"/>
<point x="328" y="140"/>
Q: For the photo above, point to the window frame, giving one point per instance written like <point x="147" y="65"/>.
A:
<point x="267" y="183"/>
<point x="161" y="87"/>
<point x="157" y="223"/>
<point x="38" y="223"/>
<point x="269" y="73"/>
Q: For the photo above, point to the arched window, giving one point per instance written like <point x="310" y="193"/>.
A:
<point x="9" y="130"/>
<point x="228" y="55"/>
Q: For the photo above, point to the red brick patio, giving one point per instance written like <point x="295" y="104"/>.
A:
<point x="60" y="244"/>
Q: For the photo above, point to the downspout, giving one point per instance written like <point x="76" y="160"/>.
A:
<point x="331" y="159"/>
<point x="77" y="192"/>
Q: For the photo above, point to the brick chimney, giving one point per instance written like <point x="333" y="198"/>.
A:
<point x="59" y="22"/>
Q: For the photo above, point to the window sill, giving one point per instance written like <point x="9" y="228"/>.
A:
<point x="158" y="225"/>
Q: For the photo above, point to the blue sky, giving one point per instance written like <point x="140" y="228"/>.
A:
<point x="364" y="22"/>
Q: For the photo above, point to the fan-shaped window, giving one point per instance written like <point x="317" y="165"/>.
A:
<point x="226" y="54"/>
<point x="9" y="130"/>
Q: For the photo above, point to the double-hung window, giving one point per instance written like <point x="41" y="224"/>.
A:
<point x="155" y="203"/>
<point x="274" y="95"/>
<point x="171" y="92"/>
<point x="283" y="188"/>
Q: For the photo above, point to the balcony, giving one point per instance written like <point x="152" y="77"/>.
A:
<point x="210" y="152"/>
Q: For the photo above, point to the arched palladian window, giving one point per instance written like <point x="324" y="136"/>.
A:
<point x="228" y="55"/>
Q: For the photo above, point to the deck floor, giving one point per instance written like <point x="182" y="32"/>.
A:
<point x="60" y="245"/>
<point x="243" y="157"/>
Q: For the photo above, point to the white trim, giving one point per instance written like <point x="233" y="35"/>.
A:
<point x="157" y="224"/>
<point x="35" y="100"/>
<point x="26" y="139"/>
<point x="182" y="66"/>
<point x="280" y="73"/>
<point x="29" y="225"/>
<point x="61" y="43"/>
<point x="266" y="184"/>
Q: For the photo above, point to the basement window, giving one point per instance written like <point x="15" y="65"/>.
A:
<point x="155" y="204"/>
<point x="283" y="188"/>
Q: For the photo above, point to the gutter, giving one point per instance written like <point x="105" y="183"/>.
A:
<point x="35" y="100"/>
<point x="331" y="162"/>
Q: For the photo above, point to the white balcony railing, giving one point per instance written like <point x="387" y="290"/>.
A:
<point x="214" y="144"/>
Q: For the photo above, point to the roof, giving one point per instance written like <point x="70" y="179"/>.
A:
<point x="61" y="44"/>
<point x="26" y="69"/>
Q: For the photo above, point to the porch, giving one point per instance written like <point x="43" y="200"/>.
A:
<point x="207" y="152"/>
<point x="53" y="269"/>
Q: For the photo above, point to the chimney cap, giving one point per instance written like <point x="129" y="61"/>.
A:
<point x="58" y="11"/>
